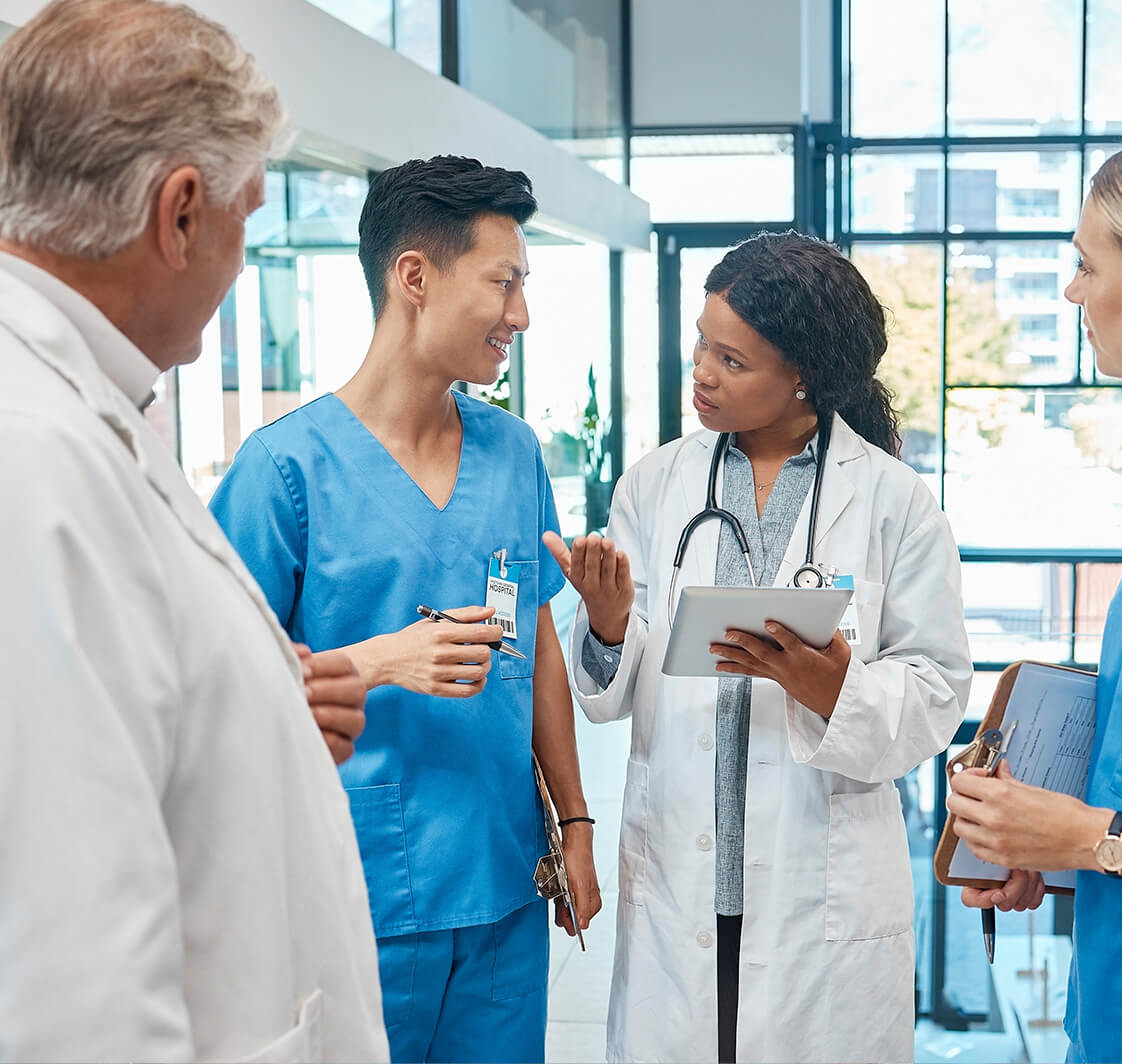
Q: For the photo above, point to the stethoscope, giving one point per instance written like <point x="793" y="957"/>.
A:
<point x="809" y="575"/>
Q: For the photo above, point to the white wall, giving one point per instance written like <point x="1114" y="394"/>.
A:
<point x="361" y="105"/>
<point x="730" y="62"/>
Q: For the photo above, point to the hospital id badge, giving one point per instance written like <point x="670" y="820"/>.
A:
<point x="849" y="626"/>
<point x="502" y="593"/>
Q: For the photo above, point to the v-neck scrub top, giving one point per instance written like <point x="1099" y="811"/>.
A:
<point x="345" y="546"/>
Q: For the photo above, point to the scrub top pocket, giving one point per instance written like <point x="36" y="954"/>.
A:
<point x="512" y="668"/>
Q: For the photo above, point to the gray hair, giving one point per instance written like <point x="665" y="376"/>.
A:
<point x="100" y="100"/>
<point x="1106" y="191"/>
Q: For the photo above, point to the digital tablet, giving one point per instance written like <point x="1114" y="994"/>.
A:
<point x="706" y="613"/>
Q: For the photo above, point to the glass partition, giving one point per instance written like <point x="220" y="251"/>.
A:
<point x="411" y="27"/>
<point x="553" y="64"/>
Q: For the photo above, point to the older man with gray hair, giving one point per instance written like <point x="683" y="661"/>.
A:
<point x="178" y="871"/>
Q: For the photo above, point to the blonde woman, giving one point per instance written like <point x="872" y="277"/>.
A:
<point x="1022" y="827"/>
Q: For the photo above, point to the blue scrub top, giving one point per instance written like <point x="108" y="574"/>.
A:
<point x="346" y="546"/>
<point x="1095" y="984"/>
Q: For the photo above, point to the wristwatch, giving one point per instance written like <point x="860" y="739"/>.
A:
<point x="1108" y="850"/>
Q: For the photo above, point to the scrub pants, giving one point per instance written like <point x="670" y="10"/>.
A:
<point x="469" y="994"/>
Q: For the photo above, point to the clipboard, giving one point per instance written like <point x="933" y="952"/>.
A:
<point x="1031" y="704"/>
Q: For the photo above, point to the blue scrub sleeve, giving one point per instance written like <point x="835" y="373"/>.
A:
<point x="259" y="511"/>
<point x="550" y="578"/>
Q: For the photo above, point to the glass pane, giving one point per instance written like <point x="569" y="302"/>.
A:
<point x="372" y="17"/>
<point x="967" y="979"/>
<point x="325" y="207"/>
<point x="716" y="177"/>
<point x="896" y="91"/>
<point x="982" y="688"/>
<point x="567" y="376"/>
<point x="1104" y="73"/>
<point x="1014" y="190"/>
<point x="1015" y="68"/>
<point x="553" y="64"/>
<point x="268" y="225"/>
<point x="895" y="192"/>
<point x="695" y="264"/>
<point x="918" y="806"/>
<point x="1007" y="319"/>
<point x="1097" y="154"/>
<point x="336" y="321"/>
<point x="908" y="281"/>
<point x="640" y="355"/>
<point x="1017" y="611"/>
<point x="417" y="31"/>
<point x="1095" y="586"/>
<point x="1035" y="468"/>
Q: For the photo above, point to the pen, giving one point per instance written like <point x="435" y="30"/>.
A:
<point x="501" y="645"/>
<point x="989" y="932"/>
<point x="989" y="918"/>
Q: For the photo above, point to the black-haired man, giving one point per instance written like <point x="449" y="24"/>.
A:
<point x="397" y="491"/>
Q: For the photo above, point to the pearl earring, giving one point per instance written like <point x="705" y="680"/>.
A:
<point x="800" y="394"/>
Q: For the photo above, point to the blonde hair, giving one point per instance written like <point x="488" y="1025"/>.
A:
<point x="1106" y="191"/>
<point x="100" y="100"/>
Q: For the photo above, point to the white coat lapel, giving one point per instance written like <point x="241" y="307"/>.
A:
<point x="51" y="337"/>
<point x="837" y="493"/>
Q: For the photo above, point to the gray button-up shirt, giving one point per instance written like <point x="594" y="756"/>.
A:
<point x="768" y="537"/>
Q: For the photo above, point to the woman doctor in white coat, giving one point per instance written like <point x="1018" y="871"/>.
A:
<point x="765" y="908"/>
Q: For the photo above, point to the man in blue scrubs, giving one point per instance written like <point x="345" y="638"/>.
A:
<point x="397" y="491"/>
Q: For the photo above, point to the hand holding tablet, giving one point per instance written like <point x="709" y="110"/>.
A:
<point x="705" y="614"/>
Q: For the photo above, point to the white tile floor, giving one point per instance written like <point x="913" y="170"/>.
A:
<point x="578" y="982"/>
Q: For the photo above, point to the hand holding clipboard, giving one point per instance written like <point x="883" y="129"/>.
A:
<point x="1050" y="752"/>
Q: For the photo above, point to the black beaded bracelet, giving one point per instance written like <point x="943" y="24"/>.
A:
<point x="575" y="820"/>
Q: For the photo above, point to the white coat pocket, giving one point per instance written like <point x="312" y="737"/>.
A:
<point x="868" y="871"/>
<point x="633" y="834"/>
<point x="303" y="1043"/>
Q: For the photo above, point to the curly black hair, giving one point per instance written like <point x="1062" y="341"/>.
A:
<point x="810" y="302"/>
<point x="432" y="205"/>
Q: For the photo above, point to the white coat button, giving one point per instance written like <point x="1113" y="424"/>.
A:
<point x="705" y="741"/>
<point x="705" y="940"/>
<point x="704" y="842"/>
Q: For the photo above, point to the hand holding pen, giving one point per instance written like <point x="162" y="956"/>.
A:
<point x="500" y="644"/>
<point x="431" y="659"/>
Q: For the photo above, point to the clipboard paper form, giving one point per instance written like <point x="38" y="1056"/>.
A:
<point x="1054" y="710"/>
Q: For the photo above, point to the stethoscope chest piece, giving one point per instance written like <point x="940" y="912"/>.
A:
<point x="811" y="577"/>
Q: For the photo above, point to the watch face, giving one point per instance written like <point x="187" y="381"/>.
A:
<point x="1108" y="852"/>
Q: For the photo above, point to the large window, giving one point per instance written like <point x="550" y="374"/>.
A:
<point x="411" y="27"/>
<point x="295" y="325"/>
<point x="556" y="65"/>
<point x="968" y="130"/>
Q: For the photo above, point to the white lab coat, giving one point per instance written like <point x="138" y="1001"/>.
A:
<point x="179" y="876"/>
<point x="827" y="954"/>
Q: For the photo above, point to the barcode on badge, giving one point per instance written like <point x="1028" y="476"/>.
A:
<point x="507" y="624"/>
<point x="849" y="634"/>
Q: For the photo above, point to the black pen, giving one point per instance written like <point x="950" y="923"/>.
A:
<point x="989" y="918"/>
<point x="501" y="645"/>
<point x="989" y="932"/>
